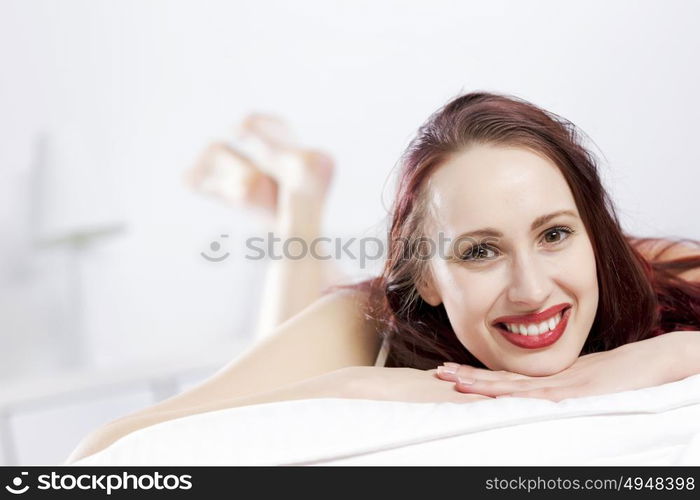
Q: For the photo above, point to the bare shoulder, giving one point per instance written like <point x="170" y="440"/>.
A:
<point x="343" y="312"/>
<point x="330" y="334"/>
<point x="344" y="309"/>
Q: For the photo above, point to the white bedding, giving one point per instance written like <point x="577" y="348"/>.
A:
<point x="653" y="426"/>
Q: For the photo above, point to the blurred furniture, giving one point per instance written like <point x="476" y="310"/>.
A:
<point x="42" y="420"/>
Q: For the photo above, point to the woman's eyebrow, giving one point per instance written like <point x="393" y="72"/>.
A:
<point x="539" y="221"/>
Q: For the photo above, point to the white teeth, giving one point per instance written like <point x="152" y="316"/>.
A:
<point x="535" y="329"/>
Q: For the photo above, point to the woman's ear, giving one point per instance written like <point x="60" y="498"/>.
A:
<point x="427" y="289"/>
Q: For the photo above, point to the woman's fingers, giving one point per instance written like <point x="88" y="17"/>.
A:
<point x="568" y="383"/>
<point x="495" y="388"/>
<point x="468" y="398"/>
<point x="494" y="384"/>
<point x="454" y="372"/>
<point x="551" y="393"/>
<point x="522" y="389"/>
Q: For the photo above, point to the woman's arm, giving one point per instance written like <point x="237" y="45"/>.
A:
<point x="329" y="335"/>
<point x="655" y="361"/>
<point x="327" y="385"/>
<point x="689" y="350"/>
<point x="359" y="382"/>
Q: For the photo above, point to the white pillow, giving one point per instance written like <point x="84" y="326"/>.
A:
<point x="653" y="426"/>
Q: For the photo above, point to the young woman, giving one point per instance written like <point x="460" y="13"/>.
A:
<point x="507" y="274"/>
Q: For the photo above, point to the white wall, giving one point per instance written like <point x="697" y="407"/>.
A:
<point x="125" y="93"/>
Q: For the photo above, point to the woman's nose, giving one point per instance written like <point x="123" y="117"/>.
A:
<point x="530" y="284"/>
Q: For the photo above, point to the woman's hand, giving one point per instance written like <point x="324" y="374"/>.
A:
<point x="646" y="363"/>
<point x="399" y="384"/>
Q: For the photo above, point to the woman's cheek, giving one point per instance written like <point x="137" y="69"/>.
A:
<point x="582" y="278"/>
<point x="583" y="263"/>
<point x="468" y="305"/>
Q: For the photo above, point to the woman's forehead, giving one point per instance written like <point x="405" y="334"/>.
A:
<point x="492" y="185"/>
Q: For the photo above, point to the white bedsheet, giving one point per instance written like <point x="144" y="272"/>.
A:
<point x="653" y="426"/>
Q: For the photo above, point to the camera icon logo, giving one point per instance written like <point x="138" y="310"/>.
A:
<point x="17" y="482"/>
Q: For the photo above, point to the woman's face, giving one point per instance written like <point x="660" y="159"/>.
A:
<point x="524" y="263"/>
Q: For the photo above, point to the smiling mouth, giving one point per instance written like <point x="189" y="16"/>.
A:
<point x="535" y="329"/>
<point x="552" y="330"/>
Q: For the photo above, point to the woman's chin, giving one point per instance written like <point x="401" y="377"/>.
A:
<point x="541" y="370"/>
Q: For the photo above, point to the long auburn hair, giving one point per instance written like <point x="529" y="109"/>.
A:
<point x="638" y="297"/>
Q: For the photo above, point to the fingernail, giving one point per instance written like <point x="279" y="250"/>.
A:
<point x="450" y="364"/>
<point x="446" y="370"/>
<point x="465" y="381"/>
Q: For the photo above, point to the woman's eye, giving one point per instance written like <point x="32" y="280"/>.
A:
<point x="477" y="252"/>
<point x="552" y="235"/>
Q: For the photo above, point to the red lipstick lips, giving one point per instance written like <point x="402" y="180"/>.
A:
<point x="535" y="341"/>
<point x="532" y="318"/>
